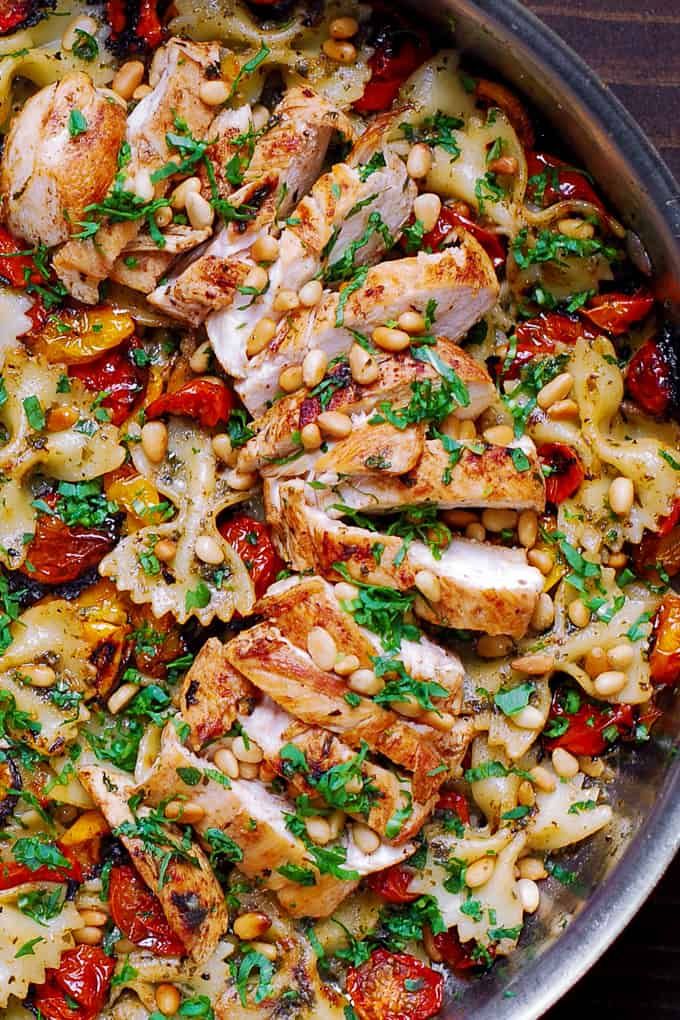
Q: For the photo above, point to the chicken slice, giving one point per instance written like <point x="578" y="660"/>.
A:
<point x="212" y="695"/>
<point x="285" y="162"/>
<point x="291" y="679"/>
<point x="255" y="819"/>
<point x="277" y="430"/>
<point x="143" y="263"/>
<point x="54" y="166"/>
<point x="460" y="283"/>
<point x="189" y="893"/>
<point x="469" y="476"/>
<point x="177" y="72"/>
<point x="482" y="587"/>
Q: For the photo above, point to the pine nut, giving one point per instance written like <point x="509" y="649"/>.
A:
<point x="617" y="560"/>
<point x="286" y="301"/>
<point x="427" y="208"/>
<point x="479" y="872"/>
<point x="366" y="839"/>
<point x="541" y="778"/>
<point x="534" y="665"/>
<point x="504" y="165"/>
<point x="499" y="435"/>
<point x="241" y="481"/>
<point x="90" y="935"/>
<point x="261" y="337"/>
<point x="336" y="820"/>
<point x="431" y="946"/>
<point x="155" y="441"/>
<point x="419" y="162"/>
<point x="318" y="830"/>
<point x="578" y="613"/>
<point x="593" y="767"/>
<point x="199" y="362"/>
<point x="200" y="212"/>
<point x="208" y="550"/>
<point x="595" y="661"/>
<point x="165" y="550"/>
<point x="621" y="496"/>
<point x="529" y="896"/>
<point x="411" y="709"/>
<point x="442" y="721"/>
<point x="291" y="379"/>
<point x="344" y="591"/>
<point x="493" y="646"/>
<point x="186" y="812"/>
<point x="39" y="675"/>
<point x="141" y="91"/>
<point x="310" y="294"/>
<point x="428" y="585"/>
<point x="93" y="918"/>
<point x="343" y="28"/>
<point x="527" y="528"/>
<point x="213" y="93"/>
<point x="266" y="949"/>
<point x="264" y="249"/>
<point x="222" y="447"/>
<point x="168" y="999"/>
<point x="257" y="278"/>
<point x="334" y="424"/>
<point x="576" y="228"/>
<point x="163" y="218"/>
<point x="563" y="410"/>
<point x="362" y="365"/>
<point x="341" y="52"/>
<point x="322" y="648"/>
<point x="120" y="698"/>
<point x="252" y="925"/>
<point x="532" y="868"/>
<point x="127" y="78"/>
<point x="557" y="389"/>
<point x="178" y="198"/>
<point x="542" y="559"/>
<point x="526" y="794"/>
<point x="412" y="322"/>
<point x="61" y="417"/>
<point x="610" y="682"/>
<point x="564" y="763"/>
<point x="260" y="116"/>
<point x="83" y="23"/>
<point x="499" y="520"/>
<point x="310" y="436"/>
<point x="246" y="770"/>
<point x="226" y="762"/>
<point x="314" y="367"/>
<point x="543" y="615"/>
<point x="621" y="656"/>
<point x="364" y="681"/>
<point x="391" y="339"/>
<point x="247" y="751"/>
<point x="475" y="531"/>
<point x="459" y="518"/>
<point x="528" y="718"/>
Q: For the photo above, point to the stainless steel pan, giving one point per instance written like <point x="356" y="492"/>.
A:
<point x="619" y="870"/>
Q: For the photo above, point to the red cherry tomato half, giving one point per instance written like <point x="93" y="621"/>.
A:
<point x="649" y="379"/>
<point x="392" y="884"/>
<point x="562" y="182"/>
<point x="564" y="471"/>
<point x="664" y="660"/>
<point x="451" y="800"/>
<point x="144" y="23"/>
<point x="207" y="401"/>
<point x="450" y="218"/>
<point x="252" y="542"/>
<point x="394" y="986"/>
<point x="116" y="374"/>
<point x="83" y="977"/>
<point x="16" y="14"/>
<point x="58" y="553"/>
<point x="452" y="952"/>
<point x="15" y="269"/>
<point x="12" y="875"/>
<point x="400" y="48"/>
<point x="590" y="728"/>
<point x="139" y="915"/>
<point x="538" y="338"/>
<point x="616" y="313"/>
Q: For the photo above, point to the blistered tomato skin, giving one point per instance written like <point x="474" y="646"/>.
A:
<point x="400" y="48"/>
<point x="451" y="800"/>
<point x="539" y="338"/>
<point x="616" y="313"/>
<point x="392" y="884"/>
<point x="251" y="540"/>
<point x="449" y="219"/>
<point x="138" y="914"/>
<point x="453" y="953"/>
<point x="12" y="874"/>
<point x="83" y="977"/>
<point x="653" y="376"/>
<point x="562" y="182"/>
<point x="564" y="471"/>
<point x="664" y="660"/>
<point x="58" y="553"/>
<point x="395" y="986"/>
<point x="207" y="401"/>
<point x="116" y="374"/>
<point x="585" y="733"/>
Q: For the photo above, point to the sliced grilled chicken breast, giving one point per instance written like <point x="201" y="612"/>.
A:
<point x="189" y="894"/>
<point x="177" y="71"/>
<point x="482" y="587"/>
<point x="213" y="694"/>
<point x="50" y="173"/>
<point x="460" y="281"/>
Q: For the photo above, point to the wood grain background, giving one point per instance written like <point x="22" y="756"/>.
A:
<point x="634" y="45"/>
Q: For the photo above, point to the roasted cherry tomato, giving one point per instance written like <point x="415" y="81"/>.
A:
<point x="116" y="374"/>
<point x="400" y="48"/>
<point x="82" y="978"/>
<point x="660" y="549"/>
<point x="450" y="218"/>
<point x="392" y="884"/>
<point x="394" y="986"/>
<point x="140" y="26"/>
<point x="58" y="553"/>
<point x="616" y="313"/>
<point x="157" y="641"/>
<point x="590" y="729"/>
<point x="557" y="181"/>
<point x="139" y="915"/>
<point x="15" y="270"/>
<point x="251" y="541"/>
<point x="664" y="660"/>
<point x="653" y="376"/>
<point x="538" y="338"/>
<point x="15" y="14"/>
<point x="456" y="802"/>
<point x="12" y="875"/>
<point x="564" y="471"/>
<point x="207" y="401"/>
<point x="452" y="952"/>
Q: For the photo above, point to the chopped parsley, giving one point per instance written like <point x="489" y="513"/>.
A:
<point x="381" y="610"/>
<point x="550" y="247"/>
<point x="77" y="125"/>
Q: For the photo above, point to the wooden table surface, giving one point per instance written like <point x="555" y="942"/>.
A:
<point x="634" y="45"/>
